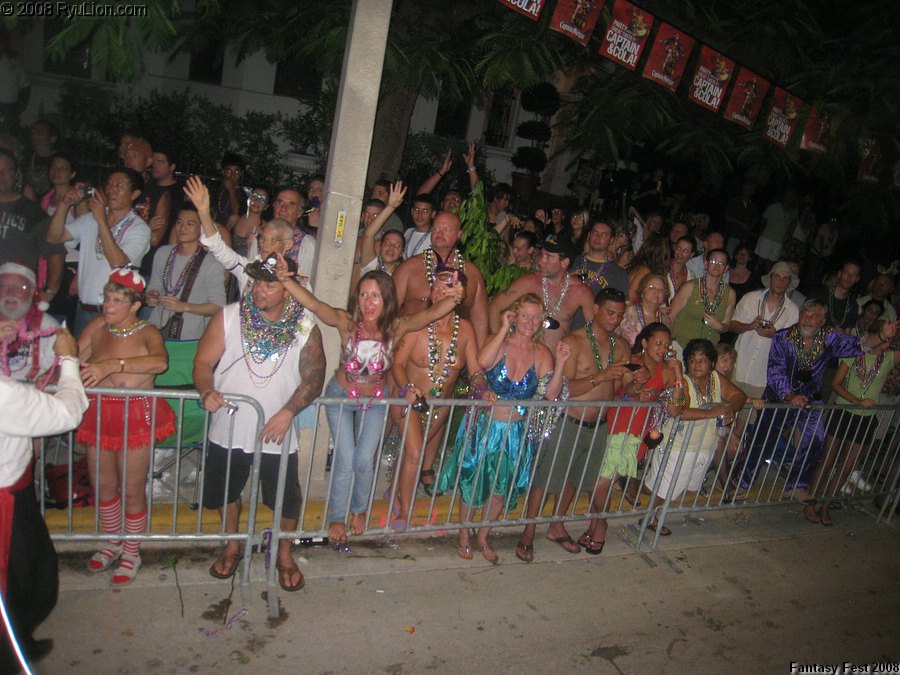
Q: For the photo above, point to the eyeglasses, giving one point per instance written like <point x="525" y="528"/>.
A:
<point x="271" y="240"/>
<point x="22" y="290"/>
<point x="717" y="263"/>
<point x="422" y="209"/>
<point x="653" y="288"/>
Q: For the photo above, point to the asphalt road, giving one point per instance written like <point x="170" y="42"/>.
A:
<point x="741" y="591"/>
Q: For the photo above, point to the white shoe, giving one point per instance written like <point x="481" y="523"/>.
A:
<point x="127" y="570"/>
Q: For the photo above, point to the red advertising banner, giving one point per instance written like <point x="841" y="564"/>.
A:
<point x="782" y="117"/>
<point x="530" y="8"/>
<point x="626" y="34"/>
<point x="817" y="134"/>
<point x="576" y="18"/>
<point x="711" y="79"/>
<point x="668" y="57"/>
<point x="746" y="98"/>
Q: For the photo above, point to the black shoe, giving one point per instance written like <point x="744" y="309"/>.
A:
<point x="37" y="650"/>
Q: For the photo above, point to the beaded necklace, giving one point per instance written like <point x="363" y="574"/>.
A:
<point x="127" y="332"/>
<point x="831" y="311"/>
<point x="262" y="339"/>
<point x="807" y="358"/>
<point x="682" y="278"/>
<point x="118" y="233"/>
<point x="703" y="399"/>
<point x="27" y="338"/>
<point x="590" y="276"/>
<point x="352" y="369"/>
<point x="418" y="243"/>
<point x="553" y="311"/>
<point x="168" y="269"/>
<point x="711" y="307"/>
<point x="866" y="376"/>
<point x="434" y="356"/>
<point x="589" y="329"/>
<point x="762" y="305"/>
<point x="640" y="313"/>
<point x="431" y="260"/>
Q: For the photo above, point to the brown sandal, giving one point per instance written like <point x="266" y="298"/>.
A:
<point x="284" y="577"/>
<point x="525" y="552"/>
<point x="227" y="563"/>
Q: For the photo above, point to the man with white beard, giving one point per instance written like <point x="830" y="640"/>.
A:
<point x="27" y="333"/>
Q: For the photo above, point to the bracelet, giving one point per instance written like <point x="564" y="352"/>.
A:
<point x="205" y="394"/>
<point x="69" y="358"/>
<point x="440" y="174"/>
<point x="882" y="338"/>
<point x="471" y="169"/>
<point x="679" y="384"/>
<point x="679" y="401"/>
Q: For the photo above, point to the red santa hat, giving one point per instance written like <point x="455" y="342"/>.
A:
<point x="128" y="278"/>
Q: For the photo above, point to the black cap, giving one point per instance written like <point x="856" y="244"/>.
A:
<point x="264" y="270"/>
<point x="554" y="244"/>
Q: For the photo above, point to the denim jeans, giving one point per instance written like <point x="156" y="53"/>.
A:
<point x="356" y="435"/>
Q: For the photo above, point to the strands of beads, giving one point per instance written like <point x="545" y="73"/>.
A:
<point x="168" y="287"/>
<point x="118" y="233"/>
<point x="761" y="307"/>
<point x="681" y="279"/>
<point x="27" y="340"/>
<point x="866" y="376"/>
<point x="589" y="329"/>
<point x="431" y="264"/>
<point x="711" y="306"/>
<point x="806" y="358"/>
<point x="127" y="332"/>
<point x="434" y="357"/>
<point x="832" y="300"/>
<point x="640" y="314"/>
<point x="263" y="340"/>
<point x="553" y="309"/>
<point x="352" y="368"/>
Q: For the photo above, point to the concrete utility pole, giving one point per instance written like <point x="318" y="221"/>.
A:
<point x="348" y="160"/>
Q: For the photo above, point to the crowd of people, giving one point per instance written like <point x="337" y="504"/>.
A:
<point x="658" y="307"/>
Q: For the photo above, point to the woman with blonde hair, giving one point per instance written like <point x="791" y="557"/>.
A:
<point x="490" y="464"/>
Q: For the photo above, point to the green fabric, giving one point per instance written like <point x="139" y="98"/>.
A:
<point x="180" y="376"/>
<point x="873" y="391"/>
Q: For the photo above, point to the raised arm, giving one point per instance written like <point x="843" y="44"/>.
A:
<point x="413" y="322"/>
<point x="330" y="316"/>
<point x="469" y="158"/>
<point x="489" y="354"/>
<point x="432" y="182"/>
<point x="56" y="231"/>
<point x="395" y="199"/>
<point x="679" y="302"/>
<point x="504" y="299"/>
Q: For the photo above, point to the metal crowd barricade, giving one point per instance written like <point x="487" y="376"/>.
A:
<point x="764" y="458"/>
<point x="184" y="520"/>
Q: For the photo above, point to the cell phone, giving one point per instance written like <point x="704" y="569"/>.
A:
<point x="633" y="367"/>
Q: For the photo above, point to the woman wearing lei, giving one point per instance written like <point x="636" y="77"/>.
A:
<point x="491" y="458"/>
<point x="702" y="308"/>
<point x="368" y="329"/>
<point x="857" y="384"/>
<point x="649" y="307"/>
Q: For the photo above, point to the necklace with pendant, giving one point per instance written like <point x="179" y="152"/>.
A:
<point x="553" y="310"/>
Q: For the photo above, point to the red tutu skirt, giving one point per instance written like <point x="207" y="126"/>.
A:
<point x="112" y="422"/>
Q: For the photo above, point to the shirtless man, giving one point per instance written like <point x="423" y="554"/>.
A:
<point x="119" y="350"/>
<point x="563" y="293"/>
<point x="419" y="378"/>
<point x="569" y="459"/>
<point x="413" y="278"/>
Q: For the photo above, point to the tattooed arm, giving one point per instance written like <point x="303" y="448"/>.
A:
<point x="312" y="371"/>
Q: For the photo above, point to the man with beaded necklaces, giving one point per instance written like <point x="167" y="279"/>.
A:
<point x="27" y="332"/>
<point x="563" y="293"/>
<point x="569" y="459"/>
<point x="120" y="350"/>
<point x="429" y="370"/>
<point x="269" y="346"/>
<point x="414" y="277"/>
<point x="797" y="362"/>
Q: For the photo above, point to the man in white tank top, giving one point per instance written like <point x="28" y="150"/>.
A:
<point x="270" y="348"/>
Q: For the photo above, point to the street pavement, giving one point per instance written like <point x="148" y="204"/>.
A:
<point x="739" y="591"/>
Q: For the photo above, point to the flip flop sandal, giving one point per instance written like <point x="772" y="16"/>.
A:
<point x="525" y="552"/>
<point x="464" y="552"/>
<point x="573" y="546"/>
<point x="490" y="554"/>
<point x="592" y="547"/>
<point x="663" y="531"/>
<point x="285" y="574"/>
<point x="228" y="563"/>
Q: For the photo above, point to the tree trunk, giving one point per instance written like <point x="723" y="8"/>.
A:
<point x="389" y="137"/>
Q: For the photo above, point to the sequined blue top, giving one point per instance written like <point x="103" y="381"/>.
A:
<point x="511" y="390"/>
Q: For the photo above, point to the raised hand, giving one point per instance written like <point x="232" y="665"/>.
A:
<point x="397" y="194"/>
<point x="198" y="193"/>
